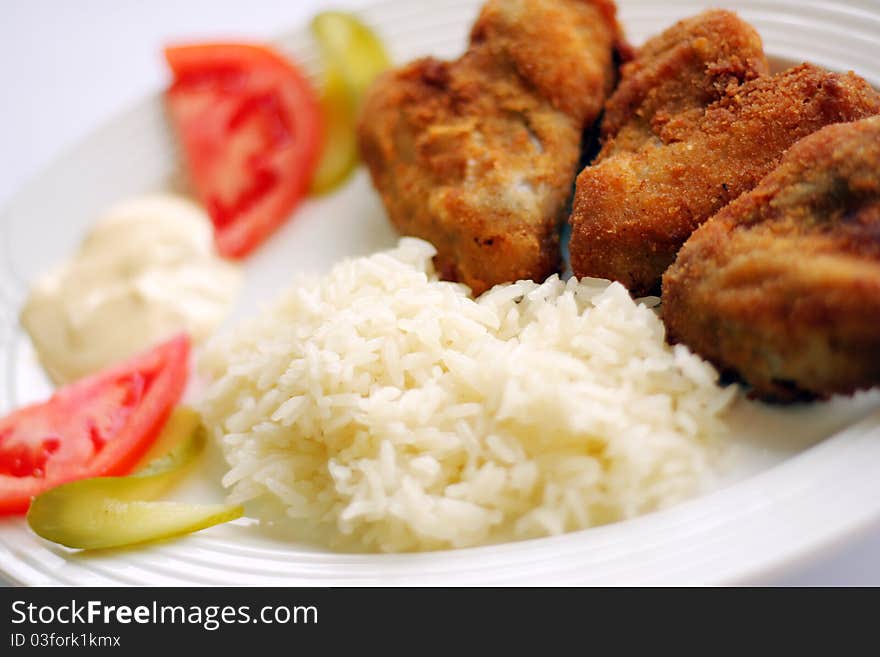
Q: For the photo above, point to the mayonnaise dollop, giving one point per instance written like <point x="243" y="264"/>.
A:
<point x="147" y="270"/>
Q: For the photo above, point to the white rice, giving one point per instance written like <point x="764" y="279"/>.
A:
<point x="389" y="411"/>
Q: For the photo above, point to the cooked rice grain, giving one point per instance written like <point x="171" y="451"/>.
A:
<point x="392" y="412"/>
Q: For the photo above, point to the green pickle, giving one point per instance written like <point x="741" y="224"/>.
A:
<point x="353" y="56"/>
<point x="107" y="512"/>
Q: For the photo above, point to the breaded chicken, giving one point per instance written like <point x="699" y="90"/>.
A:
<point x="783" y="285"/>
<point x="666" y="170"/>
<point x="677" y="75"/>
<point x="478" y="155"/>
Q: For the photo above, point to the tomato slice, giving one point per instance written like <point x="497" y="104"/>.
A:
<point x="251" y="129"/>
<point x="97" y="426"/>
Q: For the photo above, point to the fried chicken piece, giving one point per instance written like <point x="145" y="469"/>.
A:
<point x="634" y="209"/>
<point x="677" y="75"/>
<point x="479" y="155"/>
<point x="783" y="285"/>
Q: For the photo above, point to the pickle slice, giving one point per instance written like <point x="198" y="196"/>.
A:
<point x="353" y="56"/>
<point x="105" y="512"/>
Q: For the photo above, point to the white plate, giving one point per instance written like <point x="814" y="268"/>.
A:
<point x="804" y="477"/>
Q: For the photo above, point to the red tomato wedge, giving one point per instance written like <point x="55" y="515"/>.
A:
<point x="251" y="130"/>
<point x="97" y="426"/>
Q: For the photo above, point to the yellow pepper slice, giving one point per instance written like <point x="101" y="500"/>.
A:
<point x="353" y="56"/>
<point x="105" y="512"/>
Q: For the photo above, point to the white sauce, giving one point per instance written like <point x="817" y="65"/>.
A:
<point x="147" y="270"/>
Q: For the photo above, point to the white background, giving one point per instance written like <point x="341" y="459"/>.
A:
<point x="68" y="65"/>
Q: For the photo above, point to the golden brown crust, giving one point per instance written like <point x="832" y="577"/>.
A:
<point x="478" y="155"/>
<point x="783" y="285"/>
<point x="634" y="210"/>
<point x="679" y="73"/>
<point x="563" y="49"/>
